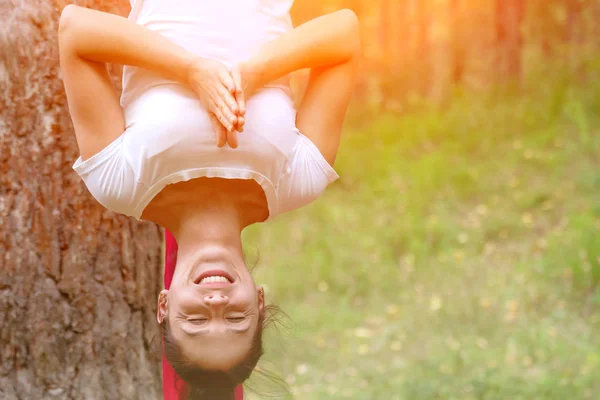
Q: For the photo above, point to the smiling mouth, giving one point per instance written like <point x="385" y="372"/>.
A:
<point x="214" y="278"/>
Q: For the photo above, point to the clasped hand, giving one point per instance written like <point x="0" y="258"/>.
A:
<point x="223" y="93"/>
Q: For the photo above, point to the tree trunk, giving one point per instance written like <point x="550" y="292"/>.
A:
<point x="509" y="15"/>
<point x="573" y="29"/>
<point x="401" y="60"/>
<point x="457" y="42"/>
<point x="423" y="47"/>
<point x="386" y="53"/>
<point x="78" y="284"/>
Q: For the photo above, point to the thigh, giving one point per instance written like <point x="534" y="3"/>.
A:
<point x="93" y="102"/>
<point x="323" y="108"/>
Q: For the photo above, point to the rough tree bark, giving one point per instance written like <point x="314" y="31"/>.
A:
<point x="78" y="284"/>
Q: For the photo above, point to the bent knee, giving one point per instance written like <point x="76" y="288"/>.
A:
<point x="352" y="25"/>
<point x="67" y="17"/>
<point x="350" y="17"/>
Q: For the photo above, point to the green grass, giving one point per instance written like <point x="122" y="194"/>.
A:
<point x="458" y="257"/>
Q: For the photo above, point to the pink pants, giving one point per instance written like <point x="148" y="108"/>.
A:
<point x="174" y="388"/>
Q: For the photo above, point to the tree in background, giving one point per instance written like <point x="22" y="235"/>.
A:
<point x="509" y="15"/>
<point x="78" y="284"/>
<point x="425" y="47"/>
<point x="386" y="58"/>
<point x="457" y="39"/>
<point x="573" y="32"/>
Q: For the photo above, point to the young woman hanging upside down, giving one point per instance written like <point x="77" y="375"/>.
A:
<point x="205" y="140"/>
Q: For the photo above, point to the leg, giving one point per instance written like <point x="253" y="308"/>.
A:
<point x="93" y="101"/>
<point x="89" y="38"/>
<point x="321" y="114"/>
<point x="330" y="46"/>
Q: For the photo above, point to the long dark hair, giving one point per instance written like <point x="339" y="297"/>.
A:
<point x="207" y="384"/>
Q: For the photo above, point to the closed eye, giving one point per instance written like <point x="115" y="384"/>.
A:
<point x="236" y="320"/>
<point x="198" y="321"/>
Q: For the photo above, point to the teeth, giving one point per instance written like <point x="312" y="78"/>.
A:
<point x="214" y="279"/>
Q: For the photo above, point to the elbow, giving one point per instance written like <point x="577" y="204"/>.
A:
<point x="351" y="26"/>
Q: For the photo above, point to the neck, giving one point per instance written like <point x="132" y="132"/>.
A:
<point x="208" y="209"/>
<point x="218" y="223"/>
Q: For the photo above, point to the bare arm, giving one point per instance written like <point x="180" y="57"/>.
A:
<point x="106" y="38"/>
<point x="330" y="46"/>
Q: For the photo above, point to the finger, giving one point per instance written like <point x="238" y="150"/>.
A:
<point x="222" y="99"/>
<point x="220" y="132"/>
<point x="240" y="124"/>
<point x="227" y="80"/>
<point x="227" y="126"/>
<point x="239" y="98"/>
<point x="216" y="126"/>
<point x="228" y="99"/>
<point x="232" y="139"/>
<point x="239" y="93"/>
<point x="225" y="115"/>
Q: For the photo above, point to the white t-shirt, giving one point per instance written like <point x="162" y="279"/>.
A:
<point x="168" y="136"/>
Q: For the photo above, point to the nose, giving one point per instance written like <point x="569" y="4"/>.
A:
<point x="216" y="299"/>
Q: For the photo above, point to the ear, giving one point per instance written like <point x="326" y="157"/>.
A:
<point x="261" y="298"/>
<point x="162" y="308"/>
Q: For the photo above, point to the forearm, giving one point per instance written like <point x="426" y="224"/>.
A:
<point x="327" y="40"/>
<point x="107" y="38"/>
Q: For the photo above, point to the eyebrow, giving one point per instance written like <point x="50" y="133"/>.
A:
<point x="206" y="309"/>
<point x="202" y="332"/>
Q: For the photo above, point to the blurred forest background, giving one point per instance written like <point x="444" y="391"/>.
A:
<point x="458" y="257"/>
